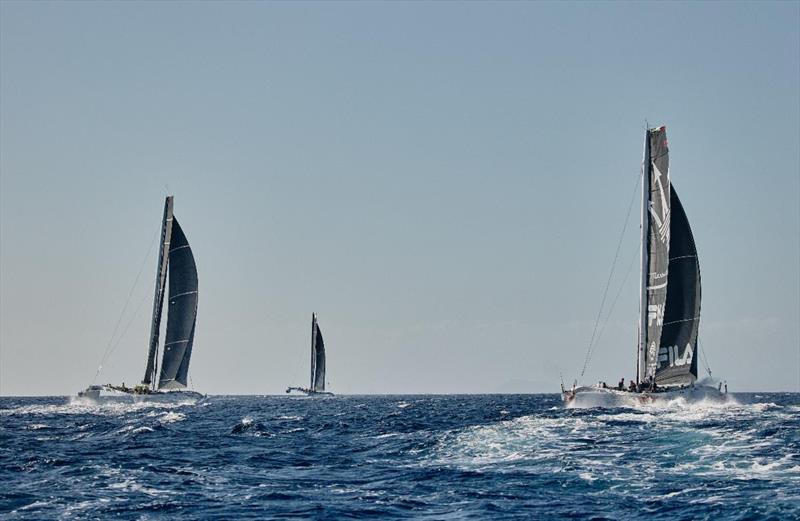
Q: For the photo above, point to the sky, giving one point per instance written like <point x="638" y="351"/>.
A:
<point x="444" y="184"/>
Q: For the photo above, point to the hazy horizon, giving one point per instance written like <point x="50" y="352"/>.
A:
<point x="444" y="184"/>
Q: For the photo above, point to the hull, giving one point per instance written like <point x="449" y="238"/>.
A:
<point x="586" y="397"/>
<point x="307" y="392"/>
<point x="111" y="394"/>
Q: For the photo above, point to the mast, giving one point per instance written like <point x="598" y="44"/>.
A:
<point x="644" y="257"/>
<point x="313" y="349"/>
<point x="158" y="298"/>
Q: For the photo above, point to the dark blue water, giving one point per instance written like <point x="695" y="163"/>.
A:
<point x="434" y="457"/>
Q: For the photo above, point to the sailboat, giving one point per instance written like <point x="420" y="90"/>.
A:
<point x="669" y="299"/>
<point x="317" y="385"/>
<point x="169" y="380"/>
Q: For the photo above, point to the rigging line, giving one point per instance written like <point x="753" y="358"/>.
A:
<point x="109" y="349"/>
<point x="297" y="367"/>
<point x="610" y="275"/>
<point x="703" y="358"/>
<point x="125" y="330"/>
<point x="614" y="302"/>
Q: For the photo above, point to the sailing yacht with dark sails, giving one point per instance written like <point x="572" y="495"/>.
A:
<point x="669" y="300"/>
<point x="317" y="385"/>
<point x="177" y="268"/>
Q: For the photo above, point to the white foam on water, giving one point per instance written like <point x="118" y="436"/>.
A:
<point x="77" y="406"/>
<point x="528" y="438"/>
<point x="706" y="437"/>
<point x="131" y="485"/>
<point x="31" y="506"/>
<point x="172" y="417"/>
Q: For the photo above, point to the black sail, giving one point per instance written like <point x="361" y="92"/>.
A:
<point x="182" y="312"/>
<point x="657" y="243"/>
<point x="317" y="357"/>
<point x="677" y="363"/>
<point x="158" y="300"/>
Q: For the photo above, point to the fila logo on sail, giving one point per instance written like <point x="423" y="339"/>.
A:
<point x="670" y="354"/>
<point x="662" y="221"/>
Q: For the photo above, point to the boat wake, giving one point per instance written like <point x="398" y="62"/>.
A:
<point x="720" y="441"/>
<point x="80" y="406"/>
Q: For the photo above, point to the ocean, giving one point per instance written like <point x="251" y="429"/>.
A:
<point x="399" y="457"/>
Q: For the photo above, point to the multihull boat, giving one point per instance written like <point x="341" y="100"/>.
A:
<point x="176" y="275"/>
<point x="113" y="393"/>
<point x="317" y="385"/>
<point x="669" y="299"/>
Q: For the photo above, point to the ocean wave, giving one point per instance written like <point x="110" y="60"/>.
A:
<point x="481" y="457"/>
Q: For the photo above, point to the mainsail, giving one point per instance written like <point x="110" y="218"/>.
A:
<point x="176" y="260"/>
<point x="670" y="296"/>
<point x="182" y="312"/>
<point x="317" y="356"/>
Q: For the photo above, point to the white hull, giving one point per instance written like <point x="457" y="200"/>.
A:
<point x="586" y="397"/>
<point x="302" y="391"/>
<point x="104" y="393"/>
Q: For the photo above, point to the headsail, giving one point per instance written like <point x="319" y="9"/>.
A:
<point x="158" y="301"/>
<point x="182" y="312"/>
<point x="317" y="356"/>
<point x="656" y="221"/>
<point x="677" y="363"/>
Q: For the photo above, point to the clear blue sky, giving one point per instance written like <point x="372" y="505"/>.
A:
<point x="443" y="183"/>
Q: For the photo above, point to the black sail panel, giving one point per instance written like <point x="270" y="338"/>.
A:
<point x="318" y="368"/>
<point x="677" y="360"/>
<point x="657" y="243"/>
<point x="158" y="300"/>
<point x="182" y="312"/>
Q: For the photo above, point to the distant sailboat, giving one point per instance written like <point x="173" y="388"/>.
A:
<point x="168" y="381"/>
<point x="317" y="385"/>
<point x="669" y="303"/>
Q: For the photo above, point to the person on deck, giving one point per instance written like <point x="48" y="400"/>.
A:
<point x="621" y="384"/>
<point x="632" y="387"/>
